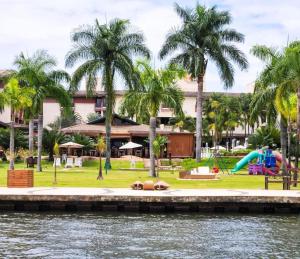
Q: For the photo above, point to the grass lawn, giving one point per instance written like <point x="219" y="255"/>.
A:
<point x="117" y="178"/>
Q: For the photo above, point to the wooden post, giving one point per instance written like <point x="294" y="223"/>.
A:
<point x="266" y="182"/>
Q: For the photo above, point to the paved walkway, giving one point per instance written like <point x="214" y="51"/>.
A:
<point x="122" y="192"/>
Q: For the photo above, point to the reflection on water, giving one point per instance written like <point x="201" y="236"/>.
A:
<point x="149" y="236"/>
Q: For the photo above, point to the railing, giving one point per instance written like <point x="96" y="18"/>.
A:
<point x="285" y="180"/>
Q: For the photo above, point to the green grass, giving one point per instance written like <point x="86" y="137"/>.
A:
<point x="117" y="178"/>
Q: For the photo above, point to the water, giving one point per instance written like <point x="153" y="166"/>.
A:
<point x="53" y="235"/>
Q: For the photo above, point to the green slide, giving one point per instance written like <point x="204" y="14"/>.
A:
<point x="244" y="161"/>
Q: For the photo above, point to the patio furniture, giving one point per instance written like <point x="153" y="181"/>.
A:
<point x="30" y="162"/>
<point x="138" y="153"/>
<point x="57" y="161"/>
<point x="70" y="162"/>
<point x="132" y="163"/>
<point x="78" y="161"/>
<point x="64" y="158"/>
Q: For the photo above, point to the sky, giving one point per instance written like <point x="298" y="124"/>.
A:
<point x="28" y="25"/>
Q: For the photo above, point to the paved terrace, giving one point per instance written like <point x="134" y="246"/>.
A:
<point x="102" y="199"/>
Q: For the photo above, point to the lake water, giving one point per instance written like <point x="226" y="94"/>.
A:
<point x="97" y="235"/>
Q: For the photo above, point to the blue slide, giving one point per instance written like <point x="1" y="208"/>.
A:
<point x="244" y="161"/>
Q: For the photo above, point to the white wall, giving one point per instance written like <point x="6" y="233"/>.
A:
<point x="83" y="109"/>
<point x="5" y="115"/>
<point x="51" y="112"/>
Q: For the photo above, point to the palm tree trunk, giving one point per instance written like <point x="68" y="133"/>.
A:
<point x="100" y="175"/>
<point x="40" y="143"/>
<point x="283" y="143"/>
<point x="289" y="131"/>
<point x="152" y="134"/>
<point x="30" y="137"/>
<point x="12" y="142"/>
<point x="108" y="113"/>
<point x="55" y="181"/>
<point x="199" y="118"/>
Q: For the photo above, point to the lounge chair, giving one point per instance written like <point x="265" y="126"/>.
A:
<point x="78" y="162"/>
<point x="203" y="170"/>
<point x="70" y="162"/>
<point x="57" y="161"/>
<point x="132" y="164"/>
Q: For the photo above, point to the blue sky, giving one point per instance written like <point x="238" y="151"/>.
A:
<point x="27" y="25"/>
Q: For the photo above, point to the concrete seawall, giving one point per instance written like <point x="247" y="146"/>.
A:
<point x="188" y="200"/>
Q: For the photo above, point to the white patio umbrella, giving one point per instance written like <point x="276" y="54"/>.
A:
<point x="219" y="148"/>
<point x="130" y="145"/>
<point x="71" y="144"/>
<point x="239" y="147"/>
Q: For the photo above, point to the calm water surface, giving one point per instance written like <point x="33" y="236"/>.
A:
<point x="65" y="235"/>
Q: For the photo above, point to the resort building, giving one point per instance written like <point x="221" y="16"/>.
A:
<point x="179" y="144"/>
<point x="124" y="129"/>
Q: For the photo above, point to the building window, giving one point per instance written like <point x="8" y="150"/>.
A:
<point x="100" y="102"/>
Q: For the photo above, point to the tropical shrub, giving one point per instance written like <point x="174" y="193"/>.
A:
<point x="265" y="136"/>
<point x="20" y="140"/>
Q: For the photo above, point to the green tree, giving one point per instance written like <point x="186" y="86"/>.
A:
<point x="204" y="35"/>
<point x="156" y="87"/>
<point x="38" y="72"/>
<point x="93" y="116"/>
<point x="50" y="137"/>
<point x="105" y="50"/>
<point x="183" y="122"/>
<point x="158" y="143"/>
<point x="87" y="142"/>
<point x="18" y="98"/>
<point x="270" y="81"/>
<point x="291" y="63"/>
<point x="244" y="101"/>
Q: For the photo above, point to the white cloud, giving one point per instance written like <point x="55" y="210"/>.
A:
<point x="27" y="25"/>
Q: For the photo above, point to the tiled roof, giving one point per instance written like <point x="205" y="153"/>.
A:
<point x="116" y="130"/>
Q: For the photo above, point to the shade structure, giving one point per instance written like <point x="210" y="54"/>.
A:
<point x="71" y="145"/>
<point x="219" y="148"/>
<point x="130" y="145"/>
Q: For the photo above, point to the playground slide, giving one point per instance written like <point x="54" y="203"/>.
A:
<point x="245" y="160"/>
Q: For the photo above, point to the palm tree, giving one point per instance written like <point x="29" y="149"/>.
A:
<point x="18" y="98"/>
<point x="105" y="50"/>
<point x="156" y="87"/>
<point x="204" y="35"/>
<point x="38" y="72"/>
<point x="269" y="84"/>
<point x="291" y="63"/>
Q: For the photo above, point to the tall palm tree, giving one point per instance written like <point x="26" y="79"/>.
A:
<point x="269" y="84"/>
<point x="38" y="72"/>
<point x="105" y="50"/>
<point x="156" y="87"/>
<point x="204" y="35"/>
<point x="291" y="63"/>
<point x="18" y="98"/>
